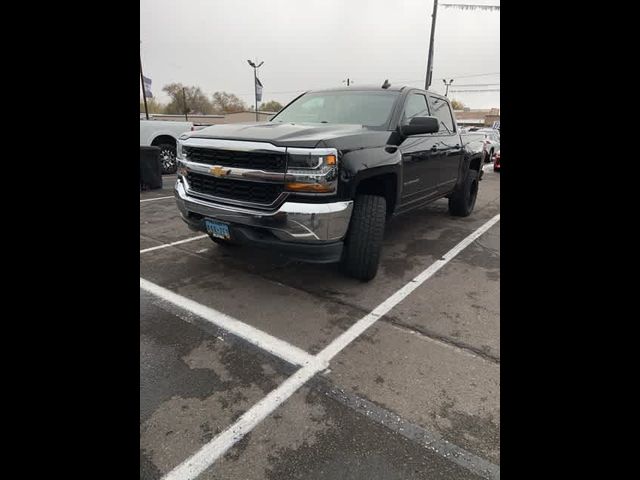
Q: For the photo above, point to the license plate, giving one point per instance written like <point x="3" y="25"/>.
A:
<point x="217" y="229"/>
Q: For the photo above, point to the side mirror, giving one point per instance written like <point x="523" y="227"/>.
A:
<point x="420" y="125"/>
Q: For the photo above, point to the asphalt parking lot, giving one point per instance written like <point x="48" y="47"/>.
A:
<point x="254" y="366"/>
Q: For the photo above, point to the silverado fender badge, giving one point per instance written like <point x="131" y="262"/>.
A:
<point x="219" y="171"/>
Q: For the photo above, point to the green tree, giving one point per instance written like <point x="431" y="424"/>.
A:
<point x="271" y="106"/>
<point x="457" y="104"/>
<point x="197" y="101"/>
<point x="153" y="106"/>
<point x="224" y="102"/>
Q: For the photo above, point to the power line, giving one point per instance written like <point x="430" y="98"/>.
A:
<point x="478" y="85"/>
<point x="451" y="76"/>
<point x="486" y="90"/>
<point x="473" y="75"/>
<point x="397" y="82"/>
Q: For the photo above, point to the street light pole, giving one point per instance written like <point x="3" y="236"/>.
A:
<point x="255" y="82"/>
<point x="184" y="100"/>
<point x="447" y="84"/>
<point x="427" y="82"/>
<point x="144" y="93"/>
<point x="255" y="89"/>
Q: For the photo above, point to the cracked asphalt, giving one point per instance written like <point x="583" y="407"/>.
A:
<point x="428" y="371"/>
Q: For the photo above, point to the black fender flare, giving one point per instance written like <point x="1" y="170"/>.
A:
<point x="466" y="163"/>
<point x="362" y="164"/>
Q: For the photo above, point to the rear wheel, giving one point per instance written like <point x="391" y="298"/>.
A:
<point x="363" y="244"/>
<point x="463" y="200"/>
<point x="168" y="158"/>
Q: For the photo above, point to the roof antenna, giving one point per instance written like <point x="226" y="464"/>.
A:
<point x="386" y="84"/>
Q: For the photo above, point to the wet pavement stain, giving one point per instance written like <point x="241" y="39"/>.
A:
<point x="418" y="250"/>
<point x="351" y="447"/>
<point x="472" y="432"/>
<point x="193" y="385"/>
<point x="147" y="469"/>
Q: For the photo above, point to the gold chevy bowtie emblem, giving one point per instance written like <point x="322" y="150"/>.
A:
<point x="218" y="171"/>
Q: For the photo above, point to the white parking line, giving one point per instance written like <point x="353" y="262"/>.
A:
<point x="158" y="247"/>
<point x="207" y="455"/>
<point x="260" y="339"/>
<point x="198" y="463"/>
<point x="157" y="198"/>
<point x="365" y="322"/>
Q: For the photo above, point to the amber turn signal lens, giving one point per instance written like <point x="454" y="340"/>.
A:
<point x="331" y="159"/>
<point x="308" y="187"/>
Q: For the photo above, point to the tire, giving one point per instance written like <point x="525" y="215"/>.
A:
<point x="168" y="158"/>
<point x="363" y="243"/>
<point x="463" y="200"/>
<point x="222" y="242"/>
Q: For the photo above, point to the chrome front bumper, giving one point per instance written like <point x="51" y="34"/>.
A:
<point x="292" y="222"/>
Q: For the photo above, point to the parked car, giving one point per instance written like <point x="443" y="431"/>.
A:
<point x="321" y="178"/>
<point x="491" y="142"/>
<point x="496" y="161"/>
<point x="474" y="141"/>
<point x="163" y="134"/>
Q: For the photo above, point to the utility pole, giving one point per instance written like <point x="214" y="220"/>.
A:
<point x="447" y="84"/>
<point x="144" y="93"/>
<point x="427" y="82"/>
<point x="186" y="110"/>
<point x="255" y="82"/>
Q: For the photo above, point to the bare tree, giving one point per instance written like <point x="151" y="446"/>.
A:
<point x="224" y="102"/>
<point x="153" y="105"/>
<point x="459" y="6"/>
<point x="457" y="104"/>
<point x="271" y="106"/>
<point x="197" y="102"/>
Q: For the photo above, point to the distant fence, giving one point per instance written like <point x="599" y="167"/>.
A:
<point x="237" y="117"/>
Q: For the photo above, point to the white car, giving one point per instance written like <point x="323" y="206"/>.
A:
<point x="491" y="142"/>
<point x="163" y="134"/>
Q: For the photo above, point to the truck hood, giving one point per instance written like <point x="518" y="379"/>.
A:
<point x="308" y="135"/>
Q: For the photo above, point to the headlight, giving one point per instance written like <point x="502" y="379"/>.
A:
<point x="180" y="152"/>
<point x="312" y="170"/>
<point x="180" y="155"/>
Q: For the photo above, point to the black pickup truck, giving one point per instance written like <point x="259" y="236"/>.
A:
<point x="321" y="178"/>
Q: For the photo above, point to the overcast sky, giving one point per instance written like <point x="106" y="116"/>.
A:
<point x="307" y="44"/>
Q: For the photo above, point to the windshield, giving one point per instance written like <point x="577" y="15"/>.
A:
<point x="368" y="108"/>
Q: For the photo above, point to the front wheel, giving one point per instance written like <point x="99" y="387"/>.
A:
<point x="363" y="244"/>
<point x="463" y="199"/>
